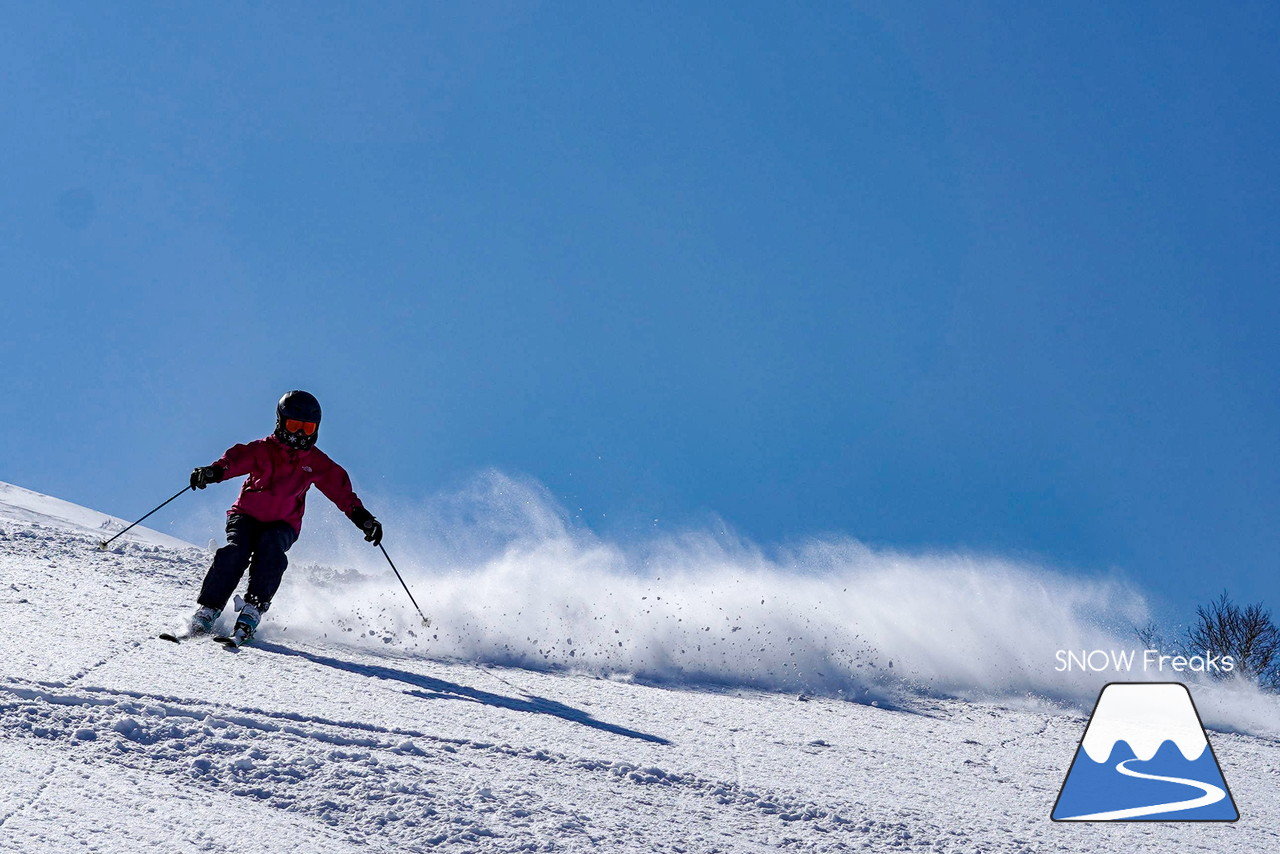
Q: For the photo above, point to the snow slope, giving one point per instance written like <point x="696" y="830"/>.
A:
<point x="23" y="505"/>
<point x="339" y="734"/>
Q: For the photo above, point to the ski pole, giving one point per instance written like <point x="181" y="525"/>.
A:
<point x="103" y="545"/>
<point x="426" y="621"/>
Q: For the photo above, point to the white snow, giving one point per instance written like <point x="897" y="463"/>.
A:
<point x="23" y="505"/>
<point x="1145" y="717"/>
<point x="341" y="732"/>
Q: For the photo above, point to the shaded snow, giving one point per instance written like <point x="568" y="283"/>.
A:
<point x="323" y="739"/>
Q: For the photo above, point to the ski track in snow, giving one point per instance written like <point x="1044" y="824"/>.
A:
<point x="112" y="740"/>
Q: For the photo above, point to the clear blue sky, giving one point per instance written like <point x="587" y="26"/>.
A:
<point x="990" y="276"/>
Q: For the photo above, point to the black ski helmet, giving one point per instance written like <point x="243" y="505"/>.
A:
<point x="297" y="406"/>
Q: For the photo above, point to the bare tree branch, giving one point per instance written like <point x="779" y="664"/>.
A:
<point x="1247" y="634"/>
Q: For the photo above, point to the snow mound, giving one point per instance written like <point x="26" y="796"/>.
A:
<point x="27" y="507"/>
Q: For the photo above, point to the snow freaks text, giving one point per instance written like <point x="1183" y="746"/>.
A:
<point x="1147" y="660"/>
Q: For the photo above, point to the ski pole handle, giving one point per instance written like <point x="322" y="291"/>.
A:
<point x="103" y="545"/>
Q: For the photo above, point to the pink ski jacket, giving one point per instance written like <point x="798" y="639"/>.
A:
<point x="279" y="477"/>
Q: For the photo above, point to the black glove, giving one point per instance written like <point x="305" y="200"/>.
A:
<point x="202" y="476"/>
<point x="364" y="521"/>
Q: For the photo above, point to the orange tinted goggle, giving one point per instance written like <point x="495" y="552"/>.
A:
<point x="293" y="425"/>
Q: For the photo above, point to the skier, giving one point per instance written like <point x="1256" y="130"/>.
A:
<point x="267" y="517"/>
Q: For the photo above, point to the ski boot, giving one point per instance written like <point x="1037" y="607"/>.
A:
<point x="202" y="620"/>
<point x="246" y="624"/>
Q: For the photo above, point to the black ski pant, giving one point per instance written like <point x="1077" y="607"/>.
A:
<point x="257" y="546"/>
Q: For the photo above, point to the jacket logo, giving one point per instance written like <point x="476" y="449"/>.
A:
<point x="307" y="469"/>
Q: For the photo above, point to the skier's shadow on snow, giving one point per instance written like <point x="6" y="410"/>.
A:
<point x="439" y="689"/>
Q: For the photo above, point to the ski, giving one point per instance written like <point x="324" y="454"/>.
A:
<point x="232" y="642"/>
<point x="179" y="637"/>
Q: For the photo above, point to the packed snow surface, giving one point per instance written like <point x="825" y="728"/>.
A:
<point x="569" y="695"/>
